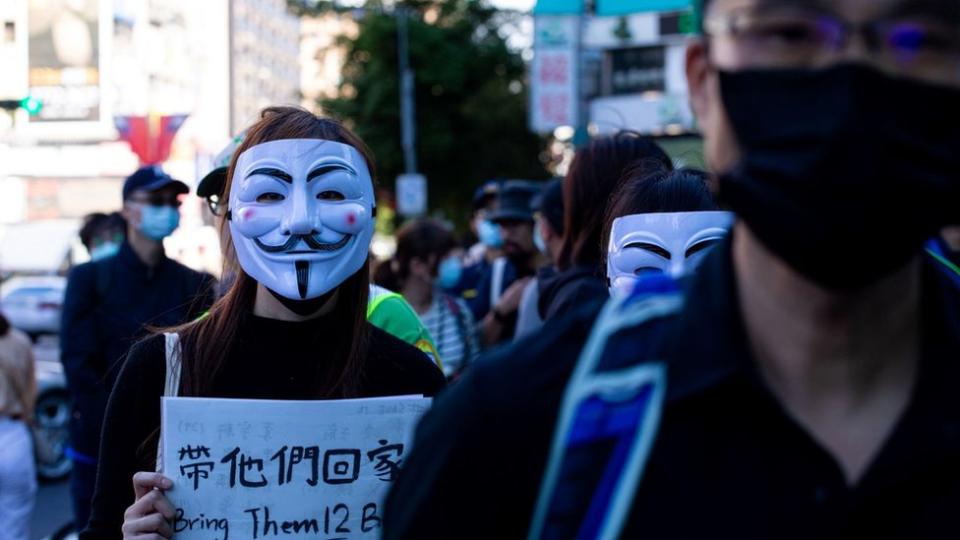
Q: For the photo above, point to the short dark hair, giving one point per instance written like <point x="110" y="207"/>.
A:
<point x="645" y="191"/>
<point x="593" y="176"/>
<point x="97" y="222"/>
<point x="92" y="223"/>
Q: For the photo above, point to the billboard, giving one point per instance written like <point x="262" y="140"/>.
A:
<point x="63" y="53"/>
<point x="553" y="77"/>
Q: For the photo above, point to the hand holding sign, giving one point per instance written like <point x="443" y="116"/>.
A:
<point x="152" y="512"/>
<point x="251" y="469"/>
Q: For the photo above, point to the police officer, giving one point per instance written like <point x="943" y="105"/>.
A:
<point x="804" y="386"/>
<point x="108" y="305"/>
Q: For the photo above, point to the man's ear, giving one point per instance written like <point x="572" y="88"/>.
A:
<point x="698" y="80"/>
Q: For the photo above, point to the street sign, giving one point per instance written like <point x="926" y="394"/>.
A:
<point x="553" y="76"/>
<point x="411" y="195"/>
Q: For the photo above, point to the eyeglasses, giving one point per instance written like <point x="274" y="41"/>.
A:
<point x="215" y="206"/>
<point x="790" y="36"/>
<point x="158" y="200"/>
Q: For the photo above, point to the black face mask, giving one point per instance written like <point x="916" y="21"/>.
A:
<point x="845" y="171"/>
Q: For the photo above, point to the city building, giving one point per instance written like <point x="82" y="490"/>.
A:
<point x="264" y="60"/>
<point x="611" y="65"/>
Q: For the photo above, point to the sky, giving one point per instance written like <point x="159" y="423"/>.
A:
<point x="525" y="5"/>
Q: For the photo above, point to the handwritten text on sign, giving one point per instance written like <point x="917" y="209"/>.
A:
<point x="252" y="469"/>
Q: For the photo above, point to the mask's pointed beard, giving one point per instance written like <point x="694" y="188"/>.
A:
<point x="303" y="278"/>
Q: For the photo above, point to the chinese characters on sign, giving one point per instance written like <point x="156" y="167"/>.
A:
<point x="554" y="73"/>
<point x="249" y="469"/>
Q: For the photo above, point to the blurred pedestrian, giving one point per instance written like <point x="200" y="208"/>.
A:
<point x="293" y="325"/>
<point x="587" y="188"/>
<point x="802" y="384"/>
<point x="501" y="289"/>
<point x="109" y="304"/>
<point x="548" y="237"/>
<point x="102" y="234"/>
<point x="488" y="247"/>
<point x="427" y="259"/>
<point x="18" y="391"/>
<point x="386" y="309"/>
<point x="660" y="222"/>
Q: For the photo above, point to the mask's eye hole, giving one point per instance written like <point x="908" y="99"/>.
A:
<point x="270" y="198"/>
<point x="646" y="271"/>
<point x="652" y="248"/>
<point x="330" y="196"/>
<point x="700" y="246"/>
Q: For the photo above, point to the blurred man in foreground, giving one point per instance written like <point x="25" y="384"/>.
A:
<point x="804" y="384"/>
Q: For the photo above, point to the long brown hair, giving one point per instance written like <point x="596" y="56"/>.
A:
<point x="208" y="343"/>
<point x="593" y="177"/>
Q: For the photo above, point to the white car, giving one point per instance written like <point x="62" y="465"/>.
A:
<point x="33" y="304"/>
<point x="51" y="422"/>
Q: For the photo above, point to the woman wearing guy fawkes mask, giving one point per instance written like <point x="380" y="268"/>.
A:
<point x="292" y="325"/>
<point x="659" y="223"/>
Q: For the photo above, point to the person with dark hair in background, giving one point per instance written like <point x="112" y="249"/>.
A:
<point x="548" y="237"/>
<point x="593" y="176"/>
<point x="292" y="326"/>
<point x="103" y="234"/>
<point x="18" y="391"/>
<point x="427" y="260"/>
<point x="108" y="305"/>
<point x="660" y="222"/>
<point x="803" y="382"/>
<point x="502" y="287"/>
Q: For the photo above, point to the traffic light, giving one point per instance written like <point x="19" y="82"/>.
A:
<point x="32" y="105"/>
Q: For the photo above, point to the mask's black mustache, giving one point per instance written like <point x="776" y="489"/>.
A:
<point x="312" y="241"/>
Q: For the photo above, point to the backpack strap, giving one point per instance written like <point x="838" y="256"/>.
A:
<point x="608" y="422"/>
<point x="171" y="380"/>
<point x="951" y="270"/>
<point x="459" y="315"/>
<point x="496" y="280"/>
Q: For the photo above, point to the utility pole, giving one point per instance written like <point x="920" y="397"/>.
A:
<point x="407" y="105"/>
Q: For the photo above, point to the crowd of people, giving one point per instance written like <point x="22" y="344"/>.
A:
<point x="764" y="350"/>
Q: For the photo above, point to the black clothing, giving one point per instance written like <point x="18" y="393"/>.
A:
<point x="728" y="461"/>
<point x="107" y="307"/>
<point x="270" y="361"/>
<point x="564" y="292"/>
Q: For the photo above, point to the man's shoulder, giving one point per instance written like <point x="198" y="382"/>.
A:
<point x="535" y="366"/>
<point x="195" y="279"/>
<point x="18" y="339"/>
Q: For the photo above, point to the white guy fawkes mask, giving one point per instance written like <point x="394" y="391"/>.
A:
<point x="301" y="215"/>
<point x="672" y="243"/>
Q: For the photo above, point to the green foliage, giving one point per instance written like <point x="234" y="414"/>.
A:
<point x="470" y="92"/>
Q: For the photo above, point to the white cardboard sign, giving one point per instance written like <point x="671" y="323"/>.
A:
<point x="255" y="469"/>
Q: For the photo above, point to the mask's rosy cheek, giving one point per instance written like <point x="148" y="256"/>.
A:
<point x="255" y="221"/>
<point x="346" y="218"/>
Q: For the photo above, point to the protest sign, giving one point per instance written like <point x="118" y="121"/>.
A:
<point x="251" y="469"/>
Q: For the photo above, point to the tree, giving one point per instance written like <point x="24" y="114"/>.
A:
<point x="470" y="92"/>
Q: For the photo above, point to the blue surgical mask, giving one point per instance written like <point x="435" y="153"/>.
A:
<point x="538" y="240"/>
<point x="104" y="251"/>
<point x="489" y="234"/>
<point x="158" y="222"/>
<point x="449" y="273"/>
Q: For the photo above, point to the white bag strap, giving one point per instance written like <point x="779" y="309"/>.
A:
<point x="171" y="386"/>
<point x="171" y="382"/>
